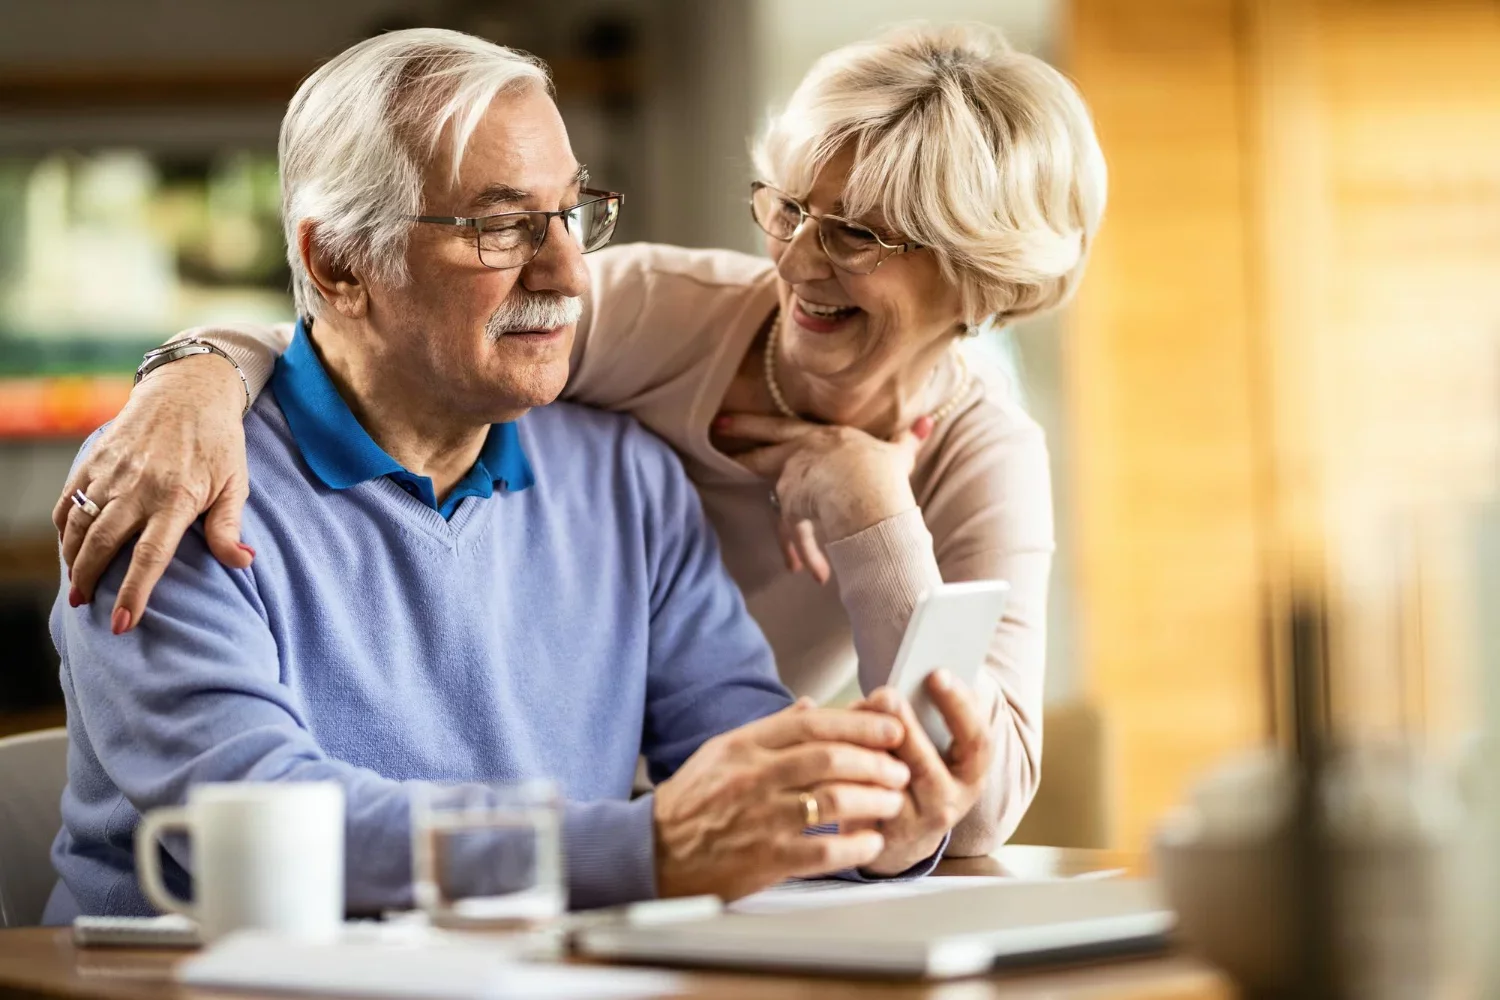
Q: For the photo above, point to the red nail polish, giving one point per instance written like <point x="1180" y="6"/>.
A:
<point x="922" y="428"/>
<point x="247" y="549"/>
<point x="75" y="597"/>
<point x="120" y="622"/>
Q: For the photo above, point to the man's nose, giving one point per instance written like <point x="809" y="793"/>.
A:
<point x="804" y="259"/>
<point x="558" y="266"/>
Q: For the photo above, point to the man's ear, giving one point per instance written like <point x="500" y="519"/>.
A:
<point x="334" y="279"/>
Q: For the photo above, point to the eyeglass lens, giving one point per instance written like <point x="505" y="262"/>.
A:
<point x="514" y="239"/>
<point x="851" y="247"/>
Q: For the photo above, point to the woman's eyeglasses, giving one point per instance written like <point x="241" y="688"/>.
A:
<point x="513" y="239"/>
<point x="848" y="245"/>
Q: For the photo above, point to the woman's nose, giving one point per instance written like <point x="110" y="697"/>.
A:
<point x="804" y="259"/>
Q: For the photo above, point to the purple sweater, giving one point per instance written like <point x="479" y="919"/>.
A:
<point x="556" y="631"/>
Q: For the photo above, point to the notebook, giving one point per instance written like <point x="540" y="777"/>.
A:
<point x="959" y="931"/>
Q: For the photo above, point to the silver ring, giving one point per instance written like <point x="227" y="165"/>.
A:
<point x="775" y="500"/>
<point x="83" y="503"/>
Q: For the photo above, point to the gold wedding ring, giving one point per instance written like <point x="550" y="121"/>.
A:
<point x="810" y="813"/>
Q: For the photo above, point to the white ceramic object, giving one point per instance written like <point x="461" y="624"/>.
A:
<point x="265" y="856"/>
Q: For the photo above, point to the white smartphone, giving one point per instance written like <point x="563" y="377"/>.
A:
<point x="951" y="628"/>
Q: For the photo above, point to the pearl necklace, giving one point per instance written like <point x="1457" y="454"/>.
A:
<point x="937" y="416"/>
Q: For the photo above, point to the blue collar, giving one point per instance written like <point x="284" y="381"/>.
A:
<point x="342" y="454"/>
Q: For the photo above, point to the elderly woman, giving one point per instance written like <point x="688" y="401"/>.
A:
<point x="916" y="190"/>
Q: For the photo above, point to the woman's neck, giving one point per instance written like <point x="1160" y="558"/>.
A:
<point x="881" y="407"/>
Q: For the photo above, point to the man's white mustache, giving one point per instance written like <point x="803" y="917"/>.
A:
<point x="534" y="311"/>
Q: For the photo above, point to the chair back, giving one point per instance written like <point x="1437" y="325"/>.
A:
<point x="33" y="772"/>
<point x="1073" y="803"/>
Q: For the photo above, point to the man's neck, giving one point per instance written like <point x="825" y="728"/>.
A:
<point x="428" y="435"/>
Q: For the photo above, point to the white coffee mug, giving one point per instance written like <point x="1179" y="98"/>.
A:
<point x="266" y="856"/>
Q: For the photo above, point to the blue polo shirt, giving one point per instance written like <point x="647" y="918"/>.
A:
<point x="342" y="454"/>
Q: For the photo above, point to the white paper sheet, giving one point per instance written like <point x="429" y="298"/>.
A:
<point x="427" y="966"/>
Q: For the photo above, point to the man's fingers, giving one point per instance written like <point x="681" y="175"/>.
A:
<point x="837" y="725"/>
<point x="812" y="764"/>
<point x="810" y="552"/>
<point x="221" y="527"/>
<point x="91" y="542"/>
<point x="803" y="855"/>
<point x="153" y="552"/>
<point x="760" y="427"/>
<point x="968" y="758"/>
<point x="845" y="802"/>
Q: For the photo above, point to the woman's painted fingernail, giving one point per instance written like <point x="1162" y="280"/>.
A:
<point x="922" y="428"/>
<point x="120" y="622"/>
<point x="247" y="549"/>
<point x="75" y="597"/>
<point x="721" y="422"/>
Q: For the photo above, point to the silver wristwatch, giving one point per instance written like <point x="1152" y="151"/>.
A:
<point x="186" y="348"/>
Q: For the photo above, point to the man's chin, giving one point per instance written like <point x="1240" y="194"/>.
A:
<point x="527" y="386"/>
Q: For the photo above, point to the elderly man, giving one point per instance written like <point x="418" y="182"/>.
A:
<point x="441" y="590"/>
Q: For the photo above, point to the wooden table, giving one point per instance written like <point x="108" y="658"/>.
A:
<point x="42" y="964"/>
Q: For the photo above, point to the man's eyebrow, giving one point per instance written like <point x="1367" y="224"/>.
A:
<point x="496" y="195"/>
<point x="499" y="194"/>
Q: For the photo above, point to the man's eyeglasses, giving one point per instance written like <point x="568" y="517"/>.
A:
<point x="513" y="239"/>
<point x="848" y="245"/>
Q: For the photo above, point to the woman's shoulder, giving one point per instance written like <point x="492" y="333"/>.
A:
<point x="996" y="423"/>
<point x="989" y="475"/>
<point x="658" y="312"/>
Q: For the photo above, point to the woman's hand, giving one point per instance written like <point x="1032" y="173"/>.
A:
<point x="941" y="791"/>
<point x="176" y="449"/>
<point x="831" y="482"/>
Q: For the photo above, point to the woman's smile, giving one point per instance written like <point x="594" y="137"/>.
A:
<point x="817" y="317"/>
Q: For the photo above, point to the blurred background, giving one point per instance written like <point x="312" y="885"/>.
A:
<point x="1281" y="376"/>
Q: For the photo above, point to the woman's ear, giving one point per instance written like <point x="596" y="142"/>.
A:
<point x="334" y="279"/>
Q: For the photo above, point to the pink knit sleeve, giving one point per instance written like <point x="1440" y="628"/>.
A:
<point x="986" y="514"/>
<point x="253" y="346"/>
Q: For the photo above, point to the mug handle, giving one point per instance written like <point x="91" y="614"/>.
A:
<point x="148" y="858"/>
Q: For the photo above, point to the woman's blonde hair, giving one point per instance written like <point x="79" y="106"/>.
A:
<point x="983" y="153"/>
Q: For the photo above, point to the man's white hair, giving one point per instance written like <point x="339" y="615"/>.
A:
<point x="362" y="131"/>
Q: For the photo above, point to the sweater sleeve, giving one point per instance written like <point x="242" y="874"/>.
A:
<point x="253" y="347"/>
<point x="988" y="518"/>
<point x="710" y="668"/>
<point x="195" y="693"/>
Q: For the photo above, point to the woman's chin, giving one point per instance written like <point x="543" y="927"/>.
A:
<point x="824" y="353"/>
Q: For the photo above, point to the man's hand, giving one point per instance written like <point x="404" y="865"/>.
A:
<point x="941" y="792"/>
<point x="732" y="820"/>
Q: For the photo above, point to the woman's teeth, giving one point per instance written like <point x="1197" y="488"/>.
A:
<point x="827" y="312"/>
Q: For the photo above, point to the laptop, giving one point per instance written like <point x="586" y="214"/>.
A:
<point x="938" y="935"/>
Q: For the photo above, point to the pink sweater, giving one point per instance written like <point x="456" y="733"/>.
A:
<point x="663" y="334"/>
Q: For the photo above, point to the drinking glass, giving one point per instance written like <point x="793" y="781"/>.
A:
<point x="488" y="855"/>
